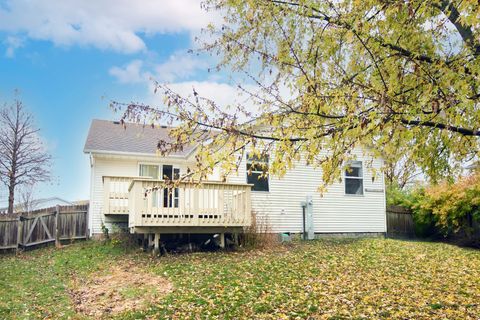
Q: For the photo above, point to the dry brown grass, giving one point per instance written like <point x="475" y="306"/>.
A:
<point x="116" y="290"/>
<point x="259" y="234"/>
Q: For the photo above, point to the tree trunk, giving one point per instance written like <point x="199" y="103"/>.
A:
<point x="22" y="157"/>
<point x="11" y="197"/>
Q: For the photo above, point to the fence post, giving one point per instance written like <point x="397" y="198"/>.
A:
<point x="87" y="217"/>
<point x="19" y="232"/>
<point x="57" y="233"/>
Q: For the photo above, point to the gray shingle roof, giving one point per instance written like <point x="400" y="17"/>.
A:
<point x="110" y="136"/>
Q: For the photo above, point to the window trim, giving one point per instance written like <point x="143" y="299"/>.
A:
<point x="345" y="177"/>
<point x="246" y="175"/>
<point x="160" y="168"/>
<point x="159" y="165"/>
<point x="160" y="177"/>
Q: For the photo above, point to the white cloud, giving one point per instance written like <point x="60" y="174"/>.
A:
<point x="12" y="44"/>
<point x="131" y="73"/>
<point x="179" y="66"/>
<point x="179" y="73"/>
<point x="105" y="24"/>
<point x="223" y="94"/>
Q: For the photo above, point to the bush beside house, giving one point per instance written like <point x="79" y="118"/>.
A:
<point x="446" y="210"/>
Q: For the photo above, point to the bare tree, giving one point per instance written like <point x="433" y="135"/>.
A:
<point x="27" y="198"/>
<point x="401" y="173"/>
<point x="23" y="157"/>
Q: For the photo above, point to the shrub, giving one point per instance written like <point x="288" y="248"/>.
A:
<point x="403" y="197"/>
<point x="396" y="196"/>
<point x="443" y="210"/>
<point x="454" y="206"/>
<point x="258" y="234"/>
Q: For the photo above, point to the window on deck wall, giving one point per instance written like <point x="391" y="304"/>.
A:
<point x="149" y="170"/>
<point x="354" y="178"/>
<point x="255" y="172"/>
<point x="171" y="196"/>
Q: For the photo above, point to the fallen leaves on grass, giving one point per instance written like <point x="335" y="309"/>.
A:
<point x="120" y="288"/>
<point x="331" y="279"/>
<point x="327" y="279"/>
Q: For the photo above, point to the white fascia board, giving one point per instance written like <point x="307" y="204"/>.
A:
<point x="126" y="153"/>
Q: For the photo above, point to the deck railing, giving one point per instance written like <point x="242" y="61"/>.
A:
<point x="115" y="191"/>
<point x="150" y="203"/>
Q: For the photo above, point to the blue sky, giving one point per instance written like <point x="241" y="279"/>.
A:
<point x="69" y="59"/>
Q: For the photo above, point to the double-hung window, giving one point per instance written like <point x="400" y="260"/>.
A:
<point x="170" y="197"/>
<point x="354" y="178"/>
<point x="257" y="172"/>
<point x="149" y="170"/>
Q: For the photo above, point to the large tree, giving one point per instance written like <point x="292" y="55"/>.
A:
<point x="400" y="78"/>
<point x="23" y="158"/>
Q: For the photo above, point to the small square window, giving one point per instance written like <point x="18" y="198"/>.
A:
<point x="354" y="178"/>
<point x="353" y="186"/>
<point x="257" y="172"/>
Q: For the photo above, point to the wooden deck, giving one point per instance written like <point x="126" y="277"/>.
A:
<point x="209" y="204"/>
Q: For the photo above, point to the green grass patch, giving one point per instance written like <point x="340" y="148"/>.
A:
<point x="329" y="279"/>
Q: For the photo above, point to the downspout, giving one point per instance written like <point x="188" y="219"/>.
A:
<point x="307" y="219"/>
<point x="304" y="229"/>
<point x="90" y="204"/>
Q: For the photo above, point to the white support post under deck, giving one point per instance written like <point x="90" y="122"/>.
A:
<point x="156" y="248"/>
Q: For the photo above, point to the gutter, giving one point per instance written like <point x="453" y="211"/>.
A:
<point x="126" y="153"/>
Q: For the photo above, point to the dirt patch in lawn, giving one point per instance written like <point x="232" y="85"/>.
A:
<point x="116" y="290"/>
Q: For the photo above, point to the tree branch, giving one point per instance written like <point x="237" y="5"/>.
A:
<point x="437" y="125"/>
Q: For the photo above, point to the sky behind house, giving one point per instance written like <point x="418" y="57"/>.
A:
<point x="69" y="59"/>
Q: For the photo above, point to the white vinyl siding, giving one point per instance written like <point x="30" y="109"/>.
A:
<point x="334" y="211"/>
<point x="103" y="168"/>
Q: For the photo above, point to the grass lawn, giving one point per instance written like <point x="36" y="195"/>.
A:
<point x="327" y="279"/>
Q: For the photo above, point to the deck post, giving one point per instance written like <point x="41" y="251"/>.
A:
<point x="222" y="240"/>
<point x="156" y="249"/>
<point x="235" y="239"/>
<point x="150" y="240"/>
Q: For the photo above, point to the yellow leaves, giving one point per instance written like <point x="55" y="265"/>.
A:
<point x="345" y="74"/>
<point x="452" y="204"/>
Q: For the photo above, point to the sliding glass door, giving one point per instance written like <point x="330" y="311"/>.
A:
<point x="170" y="195"/>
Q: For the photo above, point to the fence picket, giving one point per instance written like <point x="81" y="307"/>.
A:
<point x="43" y="226"/>
<point x="400" y="222"/>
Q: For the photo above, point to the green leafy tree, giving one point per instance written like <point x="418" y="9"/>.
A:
<point x="390" y="76"/>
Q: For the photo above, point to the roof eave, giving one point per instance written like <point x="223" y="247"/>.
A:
<point x="128" y="153"/>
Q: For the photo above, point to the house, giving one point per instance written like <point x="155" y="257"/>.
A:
<point x="125" y="164"/>
<point x="38" y="204"/>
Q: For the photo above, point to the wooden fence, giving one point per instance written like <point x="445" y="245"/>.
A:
<point x="49" y="225"/>
<point x="400" y="222"/>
